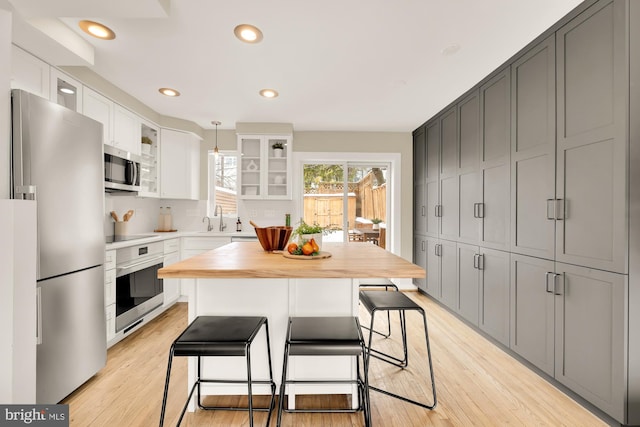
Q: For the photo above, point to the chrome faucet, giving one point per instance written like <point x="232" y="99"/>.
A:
<point x="209" y="227"/>
<point x="215" y="213"/>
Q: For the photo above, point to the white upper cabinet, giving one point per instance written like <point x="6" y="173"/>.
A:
<point x="126" y="130"/>
<point x="99" y="108"/>
<point x="121" y="126"/>
<point x="265" y="166"/>
<point x="29" y="73"/>
<point x="179" y="165"/>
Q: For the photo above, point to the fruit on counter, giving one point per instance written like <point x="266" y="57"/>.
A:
<point x="292" y="247"/>
<point x="314" y="245"/>
<point x="307" y="249"/>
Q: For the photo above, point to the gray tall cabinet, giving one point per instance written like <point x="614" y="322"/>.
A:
<point x="527" y="205"/>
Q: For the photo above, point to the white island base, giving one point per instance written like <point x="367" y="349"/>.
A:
<point x="277" y="299"/>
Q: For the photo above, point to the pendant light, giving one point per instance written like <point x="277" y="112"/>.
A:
<point x="215" y="150"/>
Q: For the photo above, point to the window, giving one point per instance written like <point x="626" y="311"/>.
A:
<point x="223" y="174"/>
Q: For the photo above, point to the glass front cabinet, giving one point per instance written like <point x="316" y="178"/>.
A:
<point x="265" y="166"/>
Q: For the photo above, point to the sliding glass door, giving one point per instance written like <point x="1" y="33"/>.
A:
<point x="349" y="199"/>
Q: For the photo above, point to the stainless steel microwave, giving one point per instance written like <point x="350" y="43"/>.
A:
<point x="121" y="170"/>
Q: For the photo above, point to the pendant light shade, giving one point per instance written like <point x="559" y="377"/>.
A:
<point x="215" y="150"/>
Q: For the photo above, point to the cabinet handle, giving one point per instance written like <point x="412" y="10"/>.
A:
<point x="560" y="209"/>
<point x="475" y="261"/>
<point x="424" y="247"/>
<point x="38" y="316"/>
<point x="551" y="204"/>
<point x="438" y="249"/>
<point x="422" y="211"/>
<point x="546" y="281"/>
<point x="480" y="262"/>
<point x="558" y="288"/>
<point x="435" y="208"/>
<point x="475" y="210"/>
<point x="480" y="210"/>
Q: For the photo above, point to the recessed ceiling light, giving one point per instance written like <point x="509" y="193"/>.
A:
<point x="248" y="33"/>
<point x="98" y="30"/>
<point x="451" y="49"/>
<point x="167" y="91"/>
<point x="67" y="90"/>
<point x="269" y="93"/>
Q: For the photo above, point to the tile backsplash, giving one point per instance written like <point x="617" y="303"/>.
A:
<point x="188" y="214"/>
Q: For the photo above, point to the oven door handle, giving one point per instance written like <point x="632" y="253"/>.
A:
<point x="130" y="268"/>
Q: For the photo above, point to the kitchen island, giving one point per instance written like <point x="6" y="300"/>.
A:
<point x="242" y="279"/>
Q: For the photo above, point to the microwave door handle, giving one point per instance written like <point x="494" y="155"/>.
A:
<point x="136" y="172"/>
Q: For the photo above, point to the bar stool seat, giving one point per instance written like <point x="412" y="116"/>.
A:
<point x="326" y="336"/>
<point x="209" y="336"/>
<point x="379" y="284"/>
<point x="375" y="301"/>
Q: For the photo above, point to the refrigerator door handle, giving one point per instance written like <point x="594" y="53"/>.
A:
<point x="29" y="191"/>
<point x="38" y="316"/>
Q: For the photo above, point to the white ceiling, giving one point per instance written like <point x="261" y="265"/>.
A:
<point x="354" y="65"/>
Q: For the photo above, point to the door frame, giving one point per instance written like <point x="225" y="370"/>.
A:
<point x="393" y="202"/>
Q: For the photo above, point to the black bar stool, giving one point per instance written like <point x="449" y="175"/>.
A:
<point x="375" y="301"/>
<point x="220" y="336"/>
<point x="326" y="336"/>
<point x="379" y="284"/>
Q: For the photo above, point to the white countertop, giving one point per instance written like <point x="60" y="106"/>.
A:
<point x="155" y="237"/>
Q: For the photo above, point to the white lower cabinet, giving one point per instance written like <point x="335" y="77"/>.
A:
<point x="569" y="321"/>
<point x="192" y="246"/>
<point x="110" y="293"/>
<point x="171" y="287"/>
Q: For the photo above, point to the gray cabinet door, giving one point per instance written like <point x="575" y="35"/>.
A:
<point x="420" y="259"/>
<point x="590" y="331"/>
<point x="433" y="178"/>
<point x="494" y="294"/>
<point x="591" y="135"/>
<point x="419" y="208"/>
<point x="449" y="207"/>
<point x="495" y="148"/>
<point x="532" y="310"/>
<point x="469" y="185"/>
<point x="433" y="287"/>
<point x="448" y="274"/>
<point x="449" y="144"/>
<point x="433" y="150"/>
<point x="419" y="155"/>
<point x="468" y="161"/>
<point x="495" y="206"/>
<point x="468" y="282"/>
<point x="533" y="149"/>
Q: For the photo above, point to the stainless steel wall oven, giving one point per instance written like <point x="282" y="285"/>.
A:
<point x="138" y="288"/>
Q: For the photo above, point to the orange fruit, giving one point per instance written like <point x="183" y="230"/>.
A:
<point x="307" y="249"/>
<point x="292" y="247"/>
<point x="314" y="245"/>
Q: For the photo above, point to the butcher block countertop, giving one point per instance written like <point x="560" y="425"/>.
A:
<point x="249" y="260"/>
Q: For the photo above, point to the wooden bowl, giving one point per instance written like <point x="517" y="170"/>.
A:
<point x="273" y="238"/>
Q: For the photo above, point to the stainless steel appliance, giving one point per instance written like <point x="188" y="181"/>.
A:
<point x="121" y="170"/>
<point x="57" y="160"/>
<point x="138" y="288"/>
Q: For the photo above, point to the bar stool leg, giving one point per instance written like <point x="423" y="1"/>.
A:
<point x="166" y="388"/>
<point x="426" y="334"/>
<point x="283" y="383"/>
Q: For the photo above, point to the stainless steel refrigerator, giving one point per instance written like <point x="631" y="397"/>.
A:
<point x="58" y="161"/>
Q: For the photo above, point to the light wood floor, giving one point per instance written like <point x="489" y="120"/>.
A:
<point x="477" y="383"/>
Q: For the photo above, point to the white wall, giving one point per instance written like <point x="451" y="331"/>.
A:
<point x="5" y="98"/>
